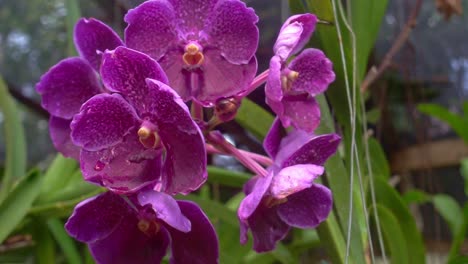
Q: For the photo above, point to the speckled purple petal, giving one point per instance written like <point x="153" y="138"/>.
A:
<point x="267" y="228"/>
<point x="294" y="34"/>
<point x="179" y="77"/>
<point x="185" y="165"/>
<point x="127" y="244"/>
<point x="191" y="15"/>
<point x="95" y="218"/>
<point x="300" y="111"/>
<point x="103" y="121"/>
<point x="291" y="143"/>
<point x="315" y="72"/>
<point x="151" y="28"/>
<point x="222" y="79"/>
<point x="125" y="71"/>
<point x="231" y="27"/>
<point x="308" y="208"/>
<point x="272" y="141"/>
<point x="123" y="168"/>
<point x="316" y="151"/>
<point x="92" y="38"/>
<point x="66" y="86"/>
<point x="273" y="87"/>
<point x="59" y="130"/>
<point x="250" y="203"/>
<point x="293" y="179"/>
<point x="166" y="209"/>
<point x="200" y="245"/>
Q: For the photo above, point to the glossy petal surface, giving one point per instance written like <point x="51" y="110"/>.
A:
<point x="250" y="203"/>
<point x="200" y="245"/>
<point x="273" y="90"/>
<point x="294" y="179"/>
<point x="272" y="140"/>
<point x="294" y="34"/>
<point x="66" y="86"/>
<point x="92" y="38"/>
<point x="308" y="208"/>
<point x="59" y="130"/>
<point x="300" y="111"/>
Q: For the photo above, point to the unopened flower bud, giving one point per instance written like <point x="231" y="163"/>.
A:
<point x="226" y="109"/>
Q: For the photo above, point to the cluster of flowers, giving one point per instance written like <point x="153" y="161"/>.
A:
<point x="120" y="110"/>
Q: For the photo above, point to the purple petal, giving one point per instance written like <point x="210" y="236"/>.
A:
<point x="273" y="87"/>
<point x="294" y="179"/>
<point x="123" y="168"/>
<point x="125" y="71"/>
<point x="60" y="134"/>
<point x="272" y="140"/>
<point x="151" y="28"/>
<point x="232" y="28"/>
<point x="222" y="79"/>
<point x="316" y="151"/>
<point x="66" y="86"/>
<point x="267" y="228"/>
<point x="315" y="72"/>
<point x="166" y="209"/>
<point x="127" y="244"/>
<point x="200" y="245"/>
<point x="191" y="15"/>
<point x="308" y="208"/>
<point x="92" y="38"/>
<point x="103" y="122"/>
<point x="179" y="77"/>
<point x="250" y="203"/>
<point x="95" y="218"/>
<point x="300" y="111"/>
<point x="294" y="34"/>
<point x="185" y="165"/>
<point x="291" y="143"/>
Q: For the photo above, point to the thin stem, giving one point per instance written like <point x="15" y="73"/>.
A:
<point x="220" y="142"/>
<point x="259" y="80"/>
<point x="264" y="160"/>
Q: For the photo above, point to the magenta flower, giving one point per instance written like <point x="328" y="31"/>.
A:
<point x="290" y="88"/>
<point x="72" y="81"/>
<point x="140" y="228"/>
<point x="140" y="134"/>
<point x="206" y="47"/>
<point x="287" y="196"/>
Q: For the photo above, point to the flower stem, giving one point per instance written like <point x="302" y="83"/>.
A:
<point x="264" y="160"/>
<point x="259" y="80"/>
<point x="221" y="143"/>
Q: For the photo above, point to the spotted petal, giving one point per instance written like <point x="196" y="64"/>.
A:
<point x="191" y="15"/>
<point x="293" y="179"/>
<point x="300" y="111"/>
<point x="60" y="134"/>
<point x="294" y="34"/>
<point x="272" y="140"/>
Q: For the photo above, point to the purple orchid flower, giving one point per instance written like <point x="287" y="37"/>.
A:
<point x="141" y="133"/>
<point x="290" y="88"/>
<point x="206" y="47"/>
<point x="140" y="228"/>
<point x="287" y="196"/>
<point x="72" y="81"/>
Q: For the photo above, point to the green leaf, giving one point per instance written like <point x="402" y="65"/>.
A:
<point x="333" y="240"/>
<point x="65" y="242"/>
<point x="415" y="196"/>
<point x="254" y="118"/>
<point x="18" y="202"/>
<point x="296" y="7"/>
<point x="459" y="260"/>
<point x="44" y="243"/>
<point x="373" y="116"/>
<point x="456" y="122"/>
<point x="388" y="197"/>
<point x="15" y="161"/>
<point x="465" y="109"/>
<point x="464" y="173"/>
<point x="449" y="209"/>
<point x="57" y="176"/>
<point x="226" y="177"/>
<point x="380" y="167"/>
<point x="393" y="234"/>
<point x="459" y="238"/>
<point x="73" y="14"/>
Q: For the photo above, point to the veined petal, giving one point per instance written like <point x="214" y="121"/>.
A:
<point x="125" y="71"/>
<point x="294" y="34"/>
<point x="166" y="209"/>
<point x="222" y="79"/>
<point x="125" y="167"/>
<point x="315" y="72"/>
<point x="151" y="28"/>
<point x="300" y="111"/>
<point x="308" y="208"/>
<point x="92" y="38"/>
<point x="231" y="27"/>
<point x="191" y="15"/>
<point x="96" y="217"/>
<point x="200" y="245"/>
<point x="59" y="130"/>
<point x="103" y="121"/>
<point x="185" y="165"/>
<point x="316" y="151"/>
<point x="272" y="140"/>
<point x="66" y="86"/>
<point x="179" y="77"/>
<point x="293" y="179"/>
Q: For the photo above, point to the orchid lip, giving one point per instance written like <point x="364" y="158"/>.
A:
<point x="193" y="55"/>
<point x="287" y="79"/>
<point x="149" y="137"/>
<point x="149" y="228"/>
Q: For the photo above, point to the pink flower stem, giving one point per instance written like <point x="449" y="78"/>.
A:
<point x="264" y="160"/>
<point x="259" y="80"/>
<point x="219" y="142"/>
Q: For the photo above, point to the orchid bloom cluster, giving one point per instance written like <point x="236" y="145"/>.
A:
<point x="121" y="108"/>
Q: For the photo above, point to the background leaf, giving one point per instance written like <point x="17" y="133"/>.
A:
<point x="254" y="118"/>
<point x="456" y="122"/>
<point x="449" y="209"/>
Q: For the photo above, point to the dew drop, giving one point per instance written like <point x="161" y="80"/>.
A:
<point x="99" y="166"/>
